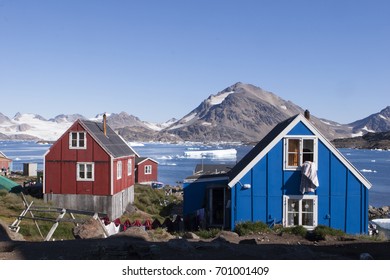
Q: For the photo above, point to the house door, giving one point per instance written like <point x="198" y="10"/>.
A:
<point x="218" y="198"/>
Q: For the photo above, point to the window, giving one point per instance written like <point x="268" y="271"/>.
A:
<point x="129" y="167"/>
<point x="85" y="171"/>
<point x="119" y="170"/>
<point x="77" y="140"/>
<point x="300" y="211"/>
<point x="298" y="150"/>
<point x="148" y="169"/>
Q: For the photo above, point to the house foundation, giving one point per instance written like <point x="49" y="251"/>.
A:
<point x="113" y="205"/>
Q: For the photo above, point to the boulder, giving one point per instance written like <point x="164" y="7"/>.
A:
<point x="135" y="232"/>
<point x="228" y="236"/>
<point x="191" y="235"/>
<point x="89" y="229"/>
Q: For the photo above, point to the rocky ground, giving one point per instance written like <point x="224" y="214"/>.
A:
<point x="136" y="243"/>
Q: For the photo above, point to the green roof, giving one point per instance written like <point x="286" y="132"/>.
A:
<point x="7" y="184"/>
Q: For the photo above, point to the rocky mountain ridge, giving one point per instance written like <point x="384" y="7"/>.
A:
<point x="379" y="140"/>
<point x="241" y="112"/>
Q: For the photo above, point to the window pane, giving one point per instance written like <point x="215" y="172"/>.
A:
<point x="293" y="152"/>
<point x="293" y="145"/>
<point x="81" y="139"/>
<point x="82" y="171"/>
<point x="293" y="219"/>
<point x="89" y="171"/>
<point x="293" y="205"/>
<point x="308" y="145"/>
<point x="307" y="219"/>
<point x="308" y="157"/>
<point x="308" y="150"/>
<point x="307" y="205"/>
<point x="74" y="139"/>
<point x="293" y="159"/>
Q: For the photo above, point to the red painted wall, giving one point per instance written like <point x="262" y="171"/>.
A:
<point x="5" y="163"/>
<point x="142" y="177"/>
<point x="61" y="168"/>
<point x="126" y="180"/>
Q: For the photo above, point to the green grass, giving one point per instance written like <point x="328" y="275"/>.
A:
<point x="297" y="230"/>
<point x="209" y="233"/>
<point x="320" y="233"/>
<point x="247" y="228"/>
<point x="154" y="202"/>
<point x="11" y="206"/>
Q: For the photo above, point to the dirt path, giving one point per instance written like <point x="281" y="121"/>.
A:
<point x="226" y="246"/>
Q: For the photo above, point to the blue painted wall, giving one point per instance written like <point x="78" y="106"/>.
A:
<point x="194" y="194"/>
<point x="342" y="198"/>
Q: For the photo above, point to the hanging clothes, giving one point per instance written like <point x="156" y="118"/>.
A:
<point x="309" y="179"/>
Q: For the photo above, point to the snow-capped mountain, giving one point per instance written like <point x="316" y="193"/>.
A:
<point x="243" y="112"/>
<point x="31" y="126"/>
<point x="35" y="127"/>
<point x="378" y="122"/>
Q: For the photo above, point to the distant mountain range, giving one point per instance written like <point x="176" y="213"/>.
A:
<point x="239" y="113"/>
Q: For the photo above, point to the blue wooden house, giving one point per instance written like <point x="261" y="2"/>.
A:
<point x="293" y="176"/>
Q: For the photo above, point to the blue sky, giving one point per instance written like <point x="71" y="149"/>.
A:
<point x="160" y="59"/>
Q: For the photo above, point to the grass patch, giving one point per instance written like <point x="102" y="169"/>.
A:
<point x="320" y="233"/>
<point x="297" y="230"/>
<point x="247" y="228"/>
<point x="154" y="201"/>
<point x="209" y="233"/>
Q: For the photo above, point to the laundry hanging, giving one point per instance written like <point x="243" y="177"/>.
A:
<point x="309" y="179"/>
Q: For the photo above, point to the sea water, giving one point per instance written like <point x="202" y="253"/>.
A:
<point x="174" y="165"/>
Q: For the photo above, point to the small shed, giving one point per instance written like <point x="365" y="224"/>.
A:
<point x="5" y="163"/>
<point x="146" y="170"/>
<point x="30" y="169"/>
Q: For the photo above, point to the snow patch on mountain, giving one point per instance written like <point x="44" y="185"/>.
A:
<point x="34" y="125"/>
<point x="219" y="98"/>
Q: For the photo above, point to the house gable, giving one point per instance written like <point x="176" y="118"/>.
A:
<point x="297" y="125"/>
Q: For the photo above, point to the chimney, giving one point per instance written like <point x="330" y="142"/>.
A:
<point x="105" y="125"/>
<point x="307" y="115"/>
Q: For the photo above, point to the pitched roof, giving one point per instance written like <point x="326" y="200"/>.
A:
<point x="252" y="154"/>
<point x="4" y="157"/>
<point x="273" y="137"/>
<point x="139" y="160"/>
<point x="112" y="142"/>
<point x="213" y="168"/>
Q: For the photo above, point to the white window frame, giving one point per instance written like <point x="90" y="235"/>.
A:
<point x="119" y="170"/>
<point x="300" y="162"/>
<point x="129" y="166"/>
<point x="300" y="198"/>
<point x="85" y="164"/>
<point x="148" y="169"/>
<point x="78" y="133"/>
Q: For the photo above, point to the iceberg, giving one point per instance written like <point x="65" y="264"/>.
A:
<point x="220" y="154"/>
<point x="383" y="223"/>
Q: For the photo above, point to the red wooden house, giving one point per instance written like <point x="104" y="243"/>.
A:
<point x="91" y="168"/>
<point x="146" y="170"/>
<point x="5" y="163"/>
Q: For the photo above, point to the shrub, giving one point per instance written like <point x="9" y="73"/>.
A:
<point x="247" y="228"/>
<point x="321" y="231"/>
<point x="297" y="230"/>
<point x="206" y="234"/>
